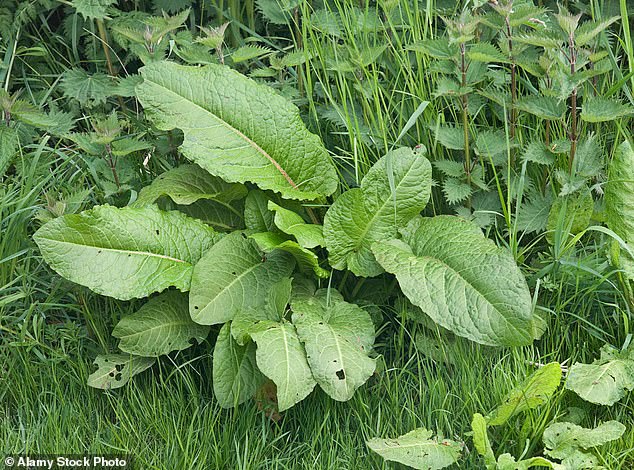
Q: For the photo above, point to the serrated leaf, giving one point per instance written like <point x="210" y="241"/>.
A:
<point x="487" y="53"/>
<point x="125" y="253"/>
<point x="337" y="337"/>
<point x="160" y="326"/>
<point x="8" y="147"/>
<point x="282" y="358"/>
<point x="235" y="373"/>
<point x="251" y="134"/>
<point x="187" y="184"/>
<point x="277" y="11"/>
<point x="533" y="392"/>
<point x="533" y="214"/>
<point x="544" y="107"/>
<point x="492" y="143"/>
<point x="450" y="168"/>
<point x="115" y="370"/>
<point x="571" y="213"/>
<point x="606" y="380"/>
<point x="591" y="29"/>
<point x="456" y="190"/>
<point x="562" y="439"/>
<point x="599" y="109"/>
<point x="538" y="152"/>
<point x="249" y="52"/>
<point x="450" y="137"/>
<point x="462" y="280"/>
<point x="588" y="161"/>
<point x="291" y="223"/>
<point x="92" y="9"/>
<point x="395" y="190"/>
<point x="307" y="261"/>
<point x="326" y="22"/>
<point x="89" y="90"/>
<point x="234" y="275"/>
<point x="437" y="48"/>
<point x="418" y="449"/>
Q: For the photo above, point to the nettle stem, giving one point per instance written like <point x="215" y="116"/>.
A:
<point x="113" y="166"/>
<point x="513" y="77"/>
<point x="465" y="112"/>
<point x="573" y="105"/>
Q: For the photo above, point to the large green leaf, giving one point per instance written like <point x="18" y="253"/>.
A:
<point x="462" y="280"/>
<point x="306" y="260"/>
<point x="159" y="327"/>
<point x="598" y="109"/>
<point x="395" y="190"/>
<point x="125" y="253"/>
<point x="561" y="439"/>
<point x="233" y="275"/>
<point x="187" y="184"/>
<point x="605" y="381"/>
<point x="417" y="449"/>
<point x="115" y="370"/>
<point x="281" y="357"/>
<point x="338" y="337"/>
<point x="235" y="374"/>
<point x="533" y="392"/>
<point x="237" y="129"/>
<point x="619" y="193"/>
<point x="291" y="223"/>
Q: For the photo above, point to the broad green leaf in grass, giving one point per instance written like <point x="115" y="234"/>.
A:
<point x="127" y="252"/>
<point x="233" y="275"/>
<point x="562" y="439"/>
<point x="116" y="370"/>
<point x="235" y="374"/>
<point x="481" y="439"/>
<point x="462" y="280"/>
<point x="281" y="357"/>
<point x="395" y="190"/>
<point x="237" y="129"/>
<point x="533" y="392"/>
<point x="8" y="147"/>
<point x="492" y="143"/>
<point x="337" y="337"/>
<point x="606" y="380"/>
<point x="307" y="261"/>
<point x="159" y="327"/>
<point x="418" y="449"/>
<point x="599" y="109"/>
<point x="544" y="107"/>
<point x="508" y="462"/>
<point x="291" y="223"/>
<point x="187" y="184"/>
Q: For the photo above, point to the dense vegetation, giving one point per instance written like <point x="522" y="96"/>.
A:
<point x="288" y="232"/>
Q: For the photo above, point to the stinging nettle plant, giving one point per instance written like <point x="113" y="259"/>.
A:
<point x="235" y="239"/>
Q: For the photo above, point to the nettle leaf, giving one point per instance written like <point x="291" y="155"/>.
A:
<point x="249" y="52"/>
<point x="127" y="252"/>
<point x="538" y="152"/>
<point x="462" y="280"/>
<point x="571" y="213"/>
<point x="492" y="143"/>
<point x="8" y="147"/>
<point x="338" y="337"/>
<point x="128" y="145"/>
<point x="92" y="9"/>
<point x="599" y="109"/>
<point x="418" y="449"/>
<point x="450" y="168"/>
<point x="159" y="327"/>
<point x="307" y="261"/>
<point x="487" y="53"/>
<point x="437" y="48"/>
<point x="544" y="107"/>
<point x="456" y="190"/>
<point x="291" y="223"/>
<point x="237" y="129"/>
<point x="562" y="439"/>
<point x="89" y="90"/>
<point x="281" y="357"/>
<point x="235" y="374"/>
<point x="233" y="275"/>
<point x="116" y="370"/>
<point x="533" y="392"/>
<point x="606" y="380"/>
<point x="395" y="190"/>
<point x="187" y="184"/>
<point x="533" y="215"/>
<point x="451" y="137"/>
<point x="591" y="29"/>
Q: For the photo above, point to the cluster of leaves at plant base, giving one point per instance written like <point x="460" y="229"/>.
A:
<point x="567" y="442"/>
<point x="483" y="63"/>
<point x="229" y="232"/>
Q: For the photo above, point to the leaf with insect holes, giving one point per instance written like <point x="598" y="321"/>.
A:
<point x="394" y="190"/>
<point x="160" y="326"/>
<point x="418" y="449"/>
<point x="235" y="373"/>
<point x="125" y="253"/>
<point x="599" y="109"/>
<point x="238" y="129"/>
<point x="337" y="336"/>
<point x="462" y="280"/>
<point x="606" y="380"/>
<point x="533" y="392"/>
<point x="116" y="370"/>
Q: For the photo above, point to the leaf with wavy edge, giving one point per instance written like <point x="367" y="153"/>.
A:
<point x="306" y="260"/>
<point x="395" y="190"/>
<point x="160" y="326"/>
<point x="233" y="275"/>
<point x="462" y="280"/>
<point x="126" y="252"/>
<point x="237" y="129"/>
<point x="291" y="223"/>
<point x="116" y="370"/>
